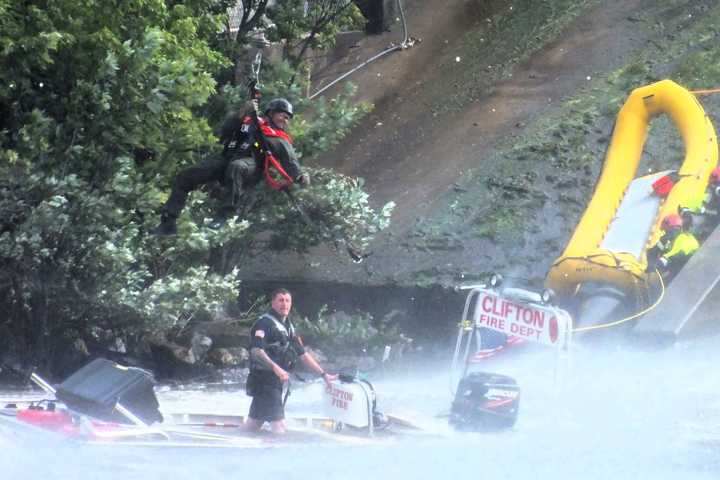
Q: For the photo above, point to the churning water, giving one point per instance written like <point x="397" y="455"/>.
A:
<point x="619" y="414"/>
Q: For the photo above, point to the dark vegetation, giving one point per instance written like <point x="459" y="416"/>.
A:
<point x="101" y="103"/>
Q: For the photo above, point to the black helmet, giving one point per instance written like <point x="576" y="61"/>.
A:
<point x="279" y="105"/>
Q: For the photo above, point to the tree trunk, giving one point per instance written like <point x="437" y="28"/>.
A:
<point x="38" y="331"/>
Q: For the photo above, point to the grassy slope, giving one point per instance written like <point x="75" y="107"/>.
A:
<point x="490" y="52"/>
<point x="532" y="190"/>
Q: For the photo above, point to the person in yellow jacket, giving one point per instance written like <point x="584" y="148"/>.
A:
<point x="712" y="199"/>
<point x="704" y="207"/>
<point x="674" y="248"/>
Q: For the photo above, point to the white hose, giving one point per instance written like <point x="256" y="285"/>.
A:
<point x="403" y="45"/>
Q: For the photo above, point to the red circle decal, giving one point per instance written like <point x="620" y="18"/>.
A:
<point x="553" y="329"/>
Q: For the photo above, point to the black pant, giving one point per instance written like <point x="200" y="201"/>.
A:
<point x="190" y="179"/>
<point x="267" y="392"/>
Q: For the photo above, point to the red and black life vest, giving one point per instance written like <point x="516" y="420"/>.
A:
<point x="275" y="175"/>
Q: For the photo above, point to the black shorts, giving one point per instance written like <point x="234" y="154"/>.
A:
<point x="267" y="403"/>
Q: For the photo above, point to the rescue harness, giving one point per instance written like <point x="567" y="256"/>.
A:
<point x="275" y="175"/>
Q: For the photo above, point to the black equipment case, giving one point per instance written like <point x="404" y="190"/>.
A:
<point x="97" y="387"/>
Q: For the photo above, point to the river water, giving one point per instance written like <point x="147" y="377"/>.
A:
<point x="616" y="414"/>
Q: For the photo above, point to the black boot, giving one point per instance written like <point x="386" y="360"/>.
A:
<point x="217" y="223"/>
<point x="166" y="228"/>
<point x="221" y="218"/>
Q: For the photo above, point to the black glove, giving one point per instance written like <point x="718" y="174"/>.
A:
<point x="250" y="107"/>
<point x="303" y="179"/>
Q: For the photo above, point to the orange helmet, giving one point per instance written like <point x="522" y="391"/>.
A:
<point x="672" y="222"/>
<point x="715" y="176"/>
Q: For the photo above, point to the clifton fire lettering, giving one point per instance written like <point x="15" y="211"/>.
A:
<point x="340" y="398"/>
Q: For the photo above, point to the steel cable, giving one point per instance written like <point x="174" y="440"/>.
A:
<point x="403" y="45"/>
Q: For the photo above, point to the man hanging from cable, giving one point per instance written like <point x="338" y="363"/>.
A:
<point x="242" y="162"/>
<point x="251" y="146"/>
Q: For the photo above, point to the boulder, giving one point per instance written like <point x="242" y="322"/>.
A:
<point x="228" y="357"/>
<point x="199" y="346"/>
<point x="224" y="333"/>
<point x="176" y="362"/>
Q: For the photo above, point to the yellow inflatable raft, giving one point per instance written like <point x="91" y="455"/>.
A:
<point x="585" y="259"/>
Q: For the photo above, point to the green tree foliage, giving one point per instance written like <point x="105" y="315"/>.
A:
<point x="101" y="102"/>
<point x="318" y="126"/>
<point x="248" y="15"/>
<point x="342" y="334"/>
<point x="86" y="85"/>
<point x="306" y="24"/>
<point x="337" y="205"/>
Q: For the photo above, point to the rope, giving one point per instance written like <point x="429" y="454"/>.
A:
<point x="631" y="317"/>
<point x="403" y="45"/>
<point x="705" y="92"/>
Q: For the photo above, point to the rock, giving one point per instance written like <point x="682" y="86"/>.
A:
<point x="242" y="354"/>
<point x="80" y="347"/>
<point x="199" y="346"/>
<point x="176" y="362"/>
<point x="228" y="357"/>
<point x="118" y="346"/>
<point x="224" y="333"/>
<point x="220" y="357"/>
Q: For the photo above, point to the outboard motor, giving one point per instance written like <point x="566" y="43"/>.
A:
<point x="485" y="402"/>
<point x="96" y="388"/>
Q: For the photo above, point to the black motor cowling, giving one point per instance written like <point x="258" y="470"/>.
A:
<point x="96" y="388"/>
<point x="485" y="402"/>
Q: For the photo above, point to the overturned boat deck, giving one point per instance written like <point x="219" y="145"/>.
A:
<point x="197" y="430"/>
<point x="691" y="301"/>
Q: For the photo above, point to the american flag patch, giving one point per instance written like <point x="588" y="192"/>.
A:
<point x="260" y="333"/>
<point x="484" y="353"/>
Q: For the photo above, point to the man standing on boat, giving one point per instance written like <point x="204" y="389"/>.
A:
<point x="274" y="347"/>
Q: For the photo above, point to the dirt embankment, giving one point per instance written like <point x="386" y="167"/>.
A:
<point x="473" y="136"/>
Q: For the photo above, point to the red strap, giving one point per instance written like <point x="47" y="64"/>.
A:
<point x="272" y="163"/>
<point x="663" y="185"/>
<point x="267" y="130"/>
